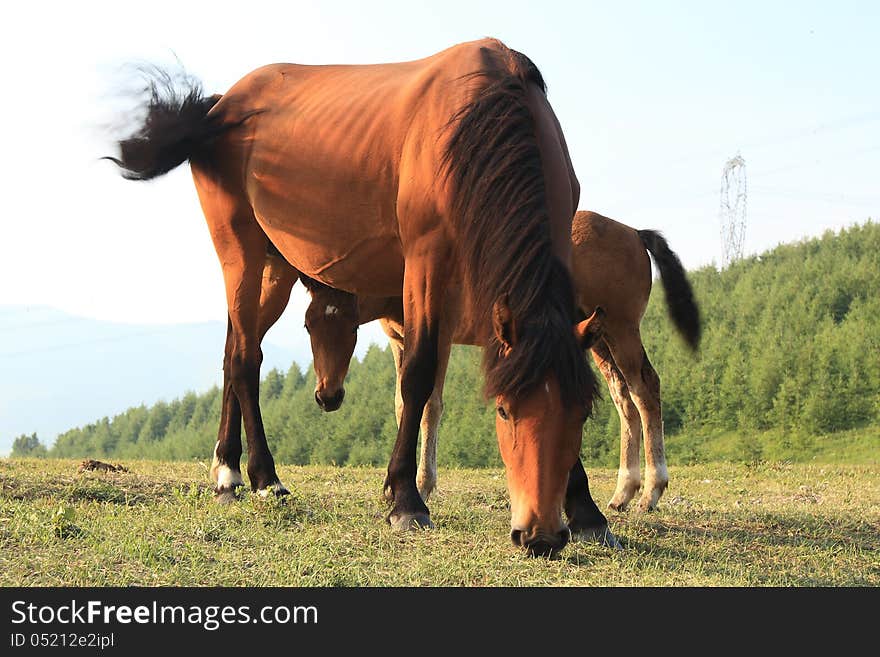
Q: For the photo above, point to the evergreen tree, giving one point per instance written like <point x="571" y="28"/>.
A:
<point x="791" y="344"/>
<point x="28" y="446"/>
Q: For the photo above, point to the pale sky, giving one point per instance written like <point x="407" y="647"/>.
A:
<point x="653" y="97"/>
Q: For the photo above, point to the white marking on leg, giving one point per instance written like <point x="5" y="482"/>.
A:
<point x="228" y="478"/>
<point x="222" y="474"/>
<point x="273" y="489"/>
<point x="397" y="353"/>
<point x="629" y="478"/>
<point x="656" y="474"/>
<point x="628" y="481"/>
<point x="656" y="480"/>
<point x="426" y="478"/>
<point x="660" y="474"/>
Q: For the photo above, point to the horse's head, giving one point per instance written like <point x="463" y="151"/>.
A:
<point x="539" y="435"/>
<point x="332" y="323"/>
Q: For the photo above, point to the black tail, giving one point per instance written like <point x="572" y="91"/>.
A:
<point x="176" y="126"/>
<point x="679" y="296"/>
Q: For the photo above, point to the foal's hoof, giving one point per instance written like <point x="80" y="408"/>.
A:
<point x="227" y="494"/>
<point x="410" y="521"/>
<point x="646" y="505"/>
<point x="601" y="535"/>
<point x="621" y="499"/>
<point x="277" y="489"/>
<point x="650" y="498"/>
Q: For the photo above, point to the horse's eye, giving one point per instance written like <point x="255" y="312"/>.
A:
<point x="502" y="413"/>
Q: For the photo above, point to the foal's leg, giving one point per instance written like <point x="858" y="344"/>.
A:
<point x="278" y="280"/>
<point x="628" y="475"/>
<point x="644" y="389"/>
<point x="397" y="353"/>
<point x="647" y="395"/>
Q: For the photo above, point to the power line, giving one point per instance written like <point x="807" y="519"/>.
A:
<point x="841" y="198"/>
<point x="771" y="140"/>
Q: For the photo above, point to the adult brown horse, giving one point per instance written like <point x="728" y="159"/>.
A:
<point x="444" y="180"/>
<point x="611" y="270"/>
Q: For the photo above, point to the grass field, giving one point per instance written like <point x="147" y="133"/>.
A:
<point x="717" y="525"/>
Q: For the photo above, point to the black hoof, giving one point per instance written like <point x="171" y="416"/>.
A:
<point x="410" y="521"/>
<point x="601" y="535"/>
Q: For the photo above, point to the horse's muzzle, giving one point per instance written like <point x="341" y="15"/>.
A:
<point x="541" y="544"/>
<point x="330" y="403"/>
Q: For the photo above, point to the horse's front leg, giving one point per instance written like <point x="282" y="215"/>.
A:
<point x="585" y="521"/>
<point x="426" y="479"/>
<point x="422" y="293"/>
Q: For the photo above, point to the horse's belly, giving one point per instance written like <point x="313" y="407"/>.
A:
<point x="332" y="214"/>
<point x="370" y="264"/>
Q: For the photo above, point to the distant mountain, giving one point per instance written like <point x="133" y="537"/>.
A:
<point x="59" y="371"/>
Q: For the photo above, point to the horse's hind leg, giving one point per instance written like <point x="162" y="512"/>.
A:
<point x="243" y="292"/>
<point x="628" y="475"/>
<point x="278" y="280"/>
<point x="241" y="248"/>
<point x="644" y="389"/>
<point x="226" y="464"/>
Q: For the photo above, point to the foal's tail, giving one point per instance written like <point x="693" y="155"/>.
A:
<point x="679" y="296"/>
<point x="175" y="128"/>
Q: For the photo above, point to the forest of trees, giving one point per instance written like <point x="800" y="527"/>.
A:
<point x="790" y="349"/>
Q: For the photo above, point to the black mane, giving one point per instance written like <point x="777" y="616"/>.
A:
<point x="494" y="165"/>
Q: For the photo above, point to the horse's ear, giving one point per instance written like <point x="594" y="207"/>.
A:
<point x="591" y="330"/>
<point x="502" y="323"/>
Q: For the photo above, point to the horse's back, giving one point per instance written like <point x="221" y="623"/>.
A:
<point x="331" y="155"/>
<point x="611" y="268"/>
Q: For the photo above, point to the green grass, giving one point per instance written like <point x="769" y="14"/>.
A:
<point x="717" y="525"/>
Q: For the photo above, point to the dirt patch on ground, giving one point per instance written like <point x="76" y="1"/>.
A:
<point x="90" y="465"/>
